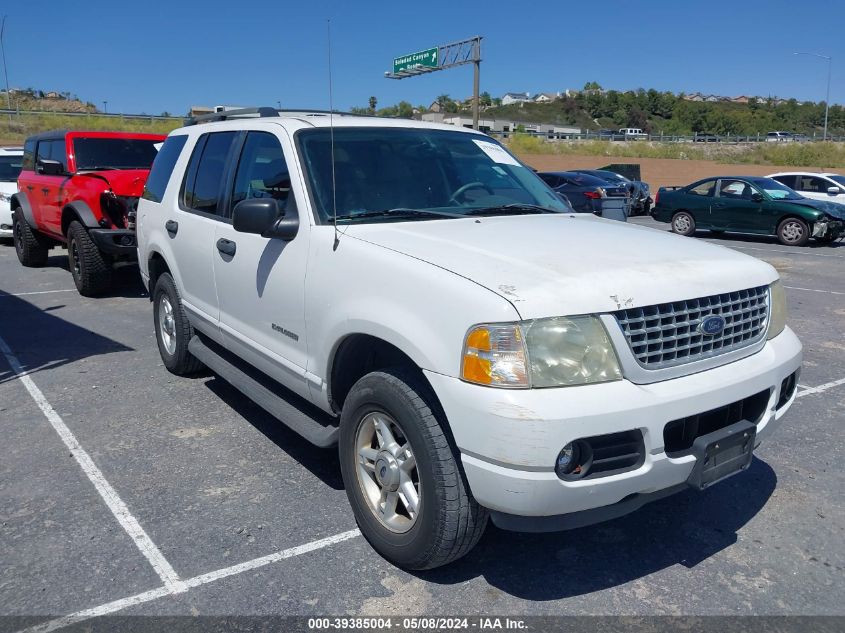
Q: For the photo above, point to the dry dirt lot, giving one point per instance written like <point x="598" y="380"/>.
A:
<point x="657" y="172"/>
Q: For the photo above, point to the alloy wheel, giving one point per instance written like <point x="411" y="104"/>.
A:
<point x="167" y="324"/>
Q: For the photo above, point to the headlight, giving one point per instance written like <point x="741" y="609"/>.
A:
<point x="777" y="309"/>
<point x="555" y="352"/>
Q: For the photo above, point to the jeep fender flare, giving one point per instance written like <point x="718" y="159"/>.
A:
<point x="83" y="212"/>
<point x="20" y="201"/>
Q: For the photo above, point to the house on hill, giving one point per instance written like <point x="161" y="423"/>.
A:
<point x="515" y="97"/>
<point x="546" y="97"/>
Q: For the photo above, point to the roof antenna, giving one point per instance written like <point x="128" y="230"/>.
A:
<point x="331" y="136"/>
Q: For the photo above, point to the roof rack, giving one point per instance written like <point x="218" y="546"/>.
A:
<point x="261" y="112"/>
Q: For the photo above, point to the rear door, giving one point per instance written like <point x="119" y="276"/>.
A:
<point x="193" y="223"/>
<point x="261" y="281"/>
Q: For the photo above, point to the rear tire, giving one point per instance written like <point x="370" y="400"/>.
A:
<point x="32" y="249"/>
<point x="793" y="232"/>
<point x="683" y="224"/>
<point x="173" y="329"/>
<point x="90" y="269"/>
<point x="382" y="486"/>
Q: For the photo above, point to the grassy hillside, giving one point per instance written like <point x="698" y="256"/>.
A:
<point x="25" y="124"/>
<point x="817" y="155"/>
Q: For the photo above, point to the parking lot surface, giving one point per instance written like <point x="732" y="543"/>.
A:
<point x="126" y="490"/>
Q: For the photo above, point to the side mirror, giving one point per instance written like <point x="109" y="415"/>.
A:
<point x="757" y="196"/>
<point x="833" y="191"/>
<point x="50" y="167"/>
<point x="263" y="216"/>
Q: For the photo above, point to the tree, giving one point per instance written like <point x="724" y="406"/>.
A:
<point x="373" y="104"/>
<point x="485" y="99"/>
<point x="404" y="110"/>
<point x="443" y="100"/>
<point x="592" y="85"/>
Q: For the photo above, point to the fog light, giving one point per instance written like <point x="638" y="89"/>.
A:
<point x="567" y="460"/>
<point x="126" y="240"/>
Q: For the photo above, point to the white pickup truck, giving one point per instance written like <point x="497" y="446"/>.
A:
<point x="415" y="295"/>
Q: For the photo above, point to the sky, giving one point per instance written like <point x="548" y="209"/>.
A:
<point x="155" y="56"/>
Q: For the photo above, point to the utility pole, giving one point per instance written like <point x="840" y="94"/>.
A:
<point x="5" y="72"/>
<point x="105" y="107"/>
<point x="827" y="96"/>
<point x="475" y="96"/>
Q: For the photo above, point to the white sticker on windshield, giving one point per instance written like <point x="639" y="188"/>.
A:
<point x="496" y="153"/>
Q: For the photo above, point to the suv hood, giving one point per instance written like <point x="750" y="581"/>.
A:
<point x="553" y="265"/>
<point x="124" y="182"/>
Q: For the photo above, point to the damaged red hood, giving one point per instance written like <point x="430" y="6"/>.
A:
<point x="124" y="182"/>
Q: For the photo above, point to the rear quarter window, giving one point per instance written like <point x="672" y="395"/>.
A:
<point x="162" y="168"/>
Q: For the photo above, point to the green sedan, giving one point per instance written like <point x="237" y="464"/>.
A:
<point x="749" y="204"/>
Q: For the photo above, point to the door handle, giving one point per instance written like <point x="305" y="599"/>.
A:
<point x="45" y="190"/>
<point x="172" y="227"/>
<point x="227" y="247"/>
<point x="30" y="187"/>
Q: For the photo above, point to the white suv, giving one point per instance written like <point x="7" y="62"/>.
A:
<point x="11" y="161"/>
<point x="416" y="295"/>
<point x="819" y="186"/>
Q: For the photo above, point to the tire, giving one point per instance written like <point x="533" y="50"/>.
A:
<point x="448" y="522"/>
<point x="793" y="232"/>
<point x="91" y="270"/>
<point x="683" y="224"/>
<point x="174" y="333"/>
<point x="31" y="248"/>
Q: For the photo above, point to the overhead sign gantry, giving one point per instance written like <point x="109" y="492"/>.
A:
<point x="440" y="58"/>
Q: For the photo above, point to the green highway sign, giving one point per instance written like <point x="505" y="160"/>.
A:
<point x="423" y="58"/>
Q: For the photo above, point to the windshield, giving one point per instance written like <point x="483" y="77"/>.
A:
<point x="389" y="174"/>
<point x="10" y="167"/>
<point x="838" y="178"/>
<point x="114" y="153"/>
<point x="775" y="190"/>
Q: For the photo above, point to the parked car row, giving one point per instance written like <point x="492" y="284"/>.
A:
<point x="758" y="205"/>
<point x="11" y="159"/>
<point x="415" y="296"/>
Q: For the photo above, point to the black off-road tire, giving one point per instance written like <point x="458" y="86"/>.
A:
<point x="793" y="232"/>
<point x="32" y="249"/>
<point x="90" y="268"/>
<point x="683" y="223"/>
<point x="179" y="360"/>
<point x="450" y="521"/>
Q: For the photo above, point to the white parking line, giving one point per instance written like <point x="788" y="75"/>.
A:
<point x="39" y="292"/>
<point x="129" y="523"/>
<point x="830" y="292"/>
<point x="196" y="581"/>
<point x="821" y="388"/>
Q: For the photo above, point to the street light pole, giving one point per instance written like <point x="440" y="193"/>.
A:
<point x="105" y="107"/>
<point x="5" y="72"/>
<point x="827" y="97"/>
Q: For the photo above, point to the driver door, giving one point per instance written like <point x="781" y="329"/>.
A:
<point x="261" y="281"/>
<point x="734" y="207"/>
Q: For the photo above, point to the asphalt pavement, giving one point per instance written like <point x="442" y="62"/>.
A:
<point x="126" y="490"/>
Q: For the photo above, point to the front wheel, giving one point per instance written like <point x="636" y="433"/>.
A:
<point x="90" y="269"/>
<point x="683" y="224"/>
<point x="793" y="232"/>
<point x="401" y="473"/>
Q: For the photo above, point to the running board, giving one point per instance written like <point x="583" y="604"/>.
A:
<point x="320" y="432"/>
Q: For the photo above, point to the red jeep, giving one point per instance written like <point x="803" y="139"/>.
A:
<point x="81" y="189"/>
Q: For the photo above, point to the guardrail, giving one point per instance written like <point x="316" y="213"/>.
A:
<point x="113" y="115"/>
<point x="660" y="138"/>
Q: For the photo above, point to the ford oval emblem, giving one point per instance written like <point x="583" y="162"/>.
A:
<point x="712" y="325"/>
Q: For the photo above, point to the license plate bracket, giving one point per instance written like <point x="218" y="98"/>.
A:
<point x="722" y="453"/>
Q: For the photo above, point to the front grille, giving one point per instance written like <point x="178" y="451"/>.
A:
<point x="668" y="334"/>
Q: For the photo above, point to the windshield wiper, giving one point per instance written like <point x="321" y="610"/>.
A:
<point x="399" y="213"/>
<point x="517" y="208"/>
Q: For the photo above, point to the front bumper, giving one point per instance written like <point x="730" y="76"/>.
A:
<point x="510" y="439"/>
<point x="115" y="241"/>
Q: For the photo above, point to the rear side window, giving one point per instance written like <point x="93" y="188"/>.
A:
<point x="704" y="189"/>
<point x="204" y="180"/>
<point x="10" y="168"/>
<point x="29" y="156"/>
<point x="789" y="181"/>
<point x="163" y="168"/>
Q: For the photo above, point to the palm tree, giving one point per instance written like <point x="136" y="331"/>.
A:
<point x="373" y="104"/>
